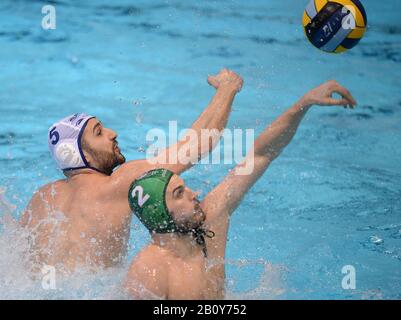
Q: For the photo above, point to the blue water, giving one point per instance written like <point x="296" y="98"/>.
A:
<point x="331" y="199"/>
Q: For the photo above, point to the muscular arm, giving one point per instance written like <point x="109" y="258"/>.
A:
<point x="225" y="198"/>
<point x="228" y="194"/>
<point x="214" y="117"/>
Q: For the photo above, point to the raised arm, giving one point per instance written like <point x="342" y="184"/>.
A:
<point x="224" y="199"/>
<point x="228" y="194"/>
<point x="213" y="118"/>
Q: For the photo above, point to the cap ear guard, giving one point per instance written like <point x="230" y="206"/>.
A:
<point x="66" y="154"/>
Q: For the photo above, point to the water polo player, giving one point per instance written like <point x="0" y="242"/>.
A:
<point x="84" y="220"/>
<point x="186" y="257"/>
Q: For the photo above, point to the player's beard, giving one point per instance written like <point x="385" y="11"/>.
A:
<point x="196" y="229"/>
<point x="196" y="221"/>
<point x="108" y="160"/>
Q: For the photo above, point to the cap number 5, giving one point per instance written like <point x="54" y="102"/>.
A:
<point x="54" y="135"/>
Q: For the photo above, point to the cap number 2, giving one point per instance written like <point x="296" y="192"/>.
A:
<point x="141" y="199"/>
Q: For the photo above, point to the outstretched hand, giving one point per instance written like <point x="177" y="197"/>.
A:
<point x="322" y="95"/>
<point x="226" y="78"/>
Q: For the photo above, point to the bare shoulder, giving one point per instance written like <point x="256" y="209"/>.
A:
<point x="50" y="186"/>
<point x="47" y="190"/>
<point x="37" y="204"/>
<point x="126" y="174"/>
<point x="148" y="276"/>
<point x="149" y="259"/>
<point x="131" y="168"/>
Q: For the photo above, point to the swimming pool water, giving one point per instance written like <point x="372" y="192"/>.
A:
<point x="331" y="199"/>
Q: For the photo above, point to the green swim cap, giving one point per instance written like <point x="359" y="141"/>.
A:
<point x="147" y="200"/>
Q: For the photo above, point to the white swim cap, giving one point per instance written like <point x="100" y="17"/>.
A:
<point x="65" y="141"/>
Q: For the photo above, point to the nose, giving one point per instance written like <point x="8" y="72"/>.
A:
<point x="112" y="134"/>
<point x="195" y="196"/>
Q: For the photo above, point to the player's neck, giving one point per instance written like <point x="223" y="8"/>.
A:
<point x="78" y="173"/>
<point x="182" y="245"/>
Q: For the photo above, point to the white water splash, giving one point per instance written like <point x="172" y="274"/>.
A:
<point x="17" y="283"/>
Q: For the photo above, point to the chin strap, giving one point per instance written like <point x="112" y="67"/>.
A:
<point x="98" y="170"/>
<point x="199" y="235"/>
<point x="86" y="167"/>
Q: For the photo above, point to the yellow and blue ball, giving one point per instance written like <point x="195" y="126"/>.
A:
<point x="334" y="25"/>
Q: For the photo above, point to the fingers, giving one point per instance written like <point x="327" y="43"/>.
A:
<point x="345" y="94"/>
<point x="339" y="102"/>
<point x="212" y="81"/>
<point x="336" y="87"/>
<point x="240" y="86"/>
<point x="223" y="71"/>
<point x="226" y="76"/>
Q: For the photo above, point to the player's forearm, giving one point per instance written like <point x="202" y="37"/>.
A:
<point x="214" y="119"/>
<point x="279" y="134"/>
<point x="266" y="148"/>
<point x="215" y="116"/>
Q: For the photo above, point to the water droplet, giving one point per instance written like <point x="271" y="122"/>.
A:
<point x="376" y="240"/>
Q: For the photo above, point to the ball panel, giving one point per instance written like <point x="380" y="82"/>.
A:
<point x="357" y="33"/>
<point x="350" y="43"/>
<point x="331" y="34"/>
<point x="336" y="40"/>
<point x="319" y="4"/>
<point x="360" y="21"/>
<point x="362" y="10"/>
<point x="311" y="9"/>
<point x="305" y="20"/>
<point x="340" y="49"/>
